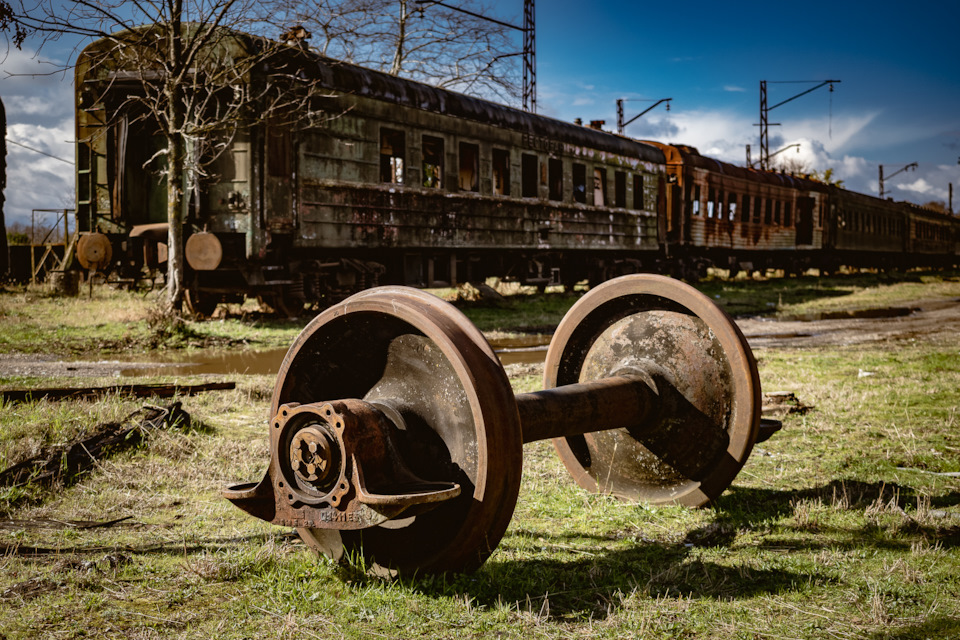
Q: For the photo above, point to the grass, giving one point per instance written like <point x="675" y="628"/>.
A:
<point x="34" y="320"/>
<point x="843" y="525"/>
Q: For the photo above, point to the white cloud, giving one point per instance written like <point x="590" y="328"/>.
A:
<point x="733" y="89"/>
<point x="35" y="181"/>
<point x="39" y="108"/>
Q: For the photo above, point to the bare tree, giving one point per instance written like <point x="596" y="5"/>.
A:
<point x="189" y="68"/>
<point x="415" y="39"/>
<point x="184" y="67"/>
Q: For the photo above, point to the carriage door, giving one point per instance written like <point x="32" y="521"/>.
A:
<point x="139" y="186"/>
<point x="805" y="207"/>
<point x="278" y="185"/>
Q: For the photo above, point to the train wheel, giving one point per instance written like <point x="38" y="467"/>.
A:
<point x="201" y="303"/>
<point x="710" y="396"/>
<point x="415" y="353"/>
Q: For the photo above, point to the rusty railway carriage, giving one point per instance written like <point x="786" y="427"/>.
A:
<point x="389" y="181"/>
<point x="719" y="214"/>
<point x="397" y="183"/>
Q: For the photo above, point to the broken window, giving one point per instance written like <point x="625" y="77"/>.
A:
<point x="501" y="172"/>
<point x="788" y="214"/>
<point x="638" y="191"/>
<point x="555" y="178"/>
<point x="711" y="196"/>
<point x="619" y="189"/>
<point x="599" y="187"/>
<point x="391" y="156"/>
<point x="432" y="152"/>
<point x="696" y="201"/>
<point x="469" y="167"/>
<point x="768" y="212"/>
<point x="579" y="183"/>
<point x="732" y="207"/>
<point x="757" y="208"/>
<point x="745" y="210"/>
<point x="528" y="175"/>
<point x="776" y="212"/>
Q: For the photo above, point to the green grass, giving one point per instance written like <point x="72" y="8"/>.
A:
<point x="34" y="320"/>
<point x="837" y="527"/>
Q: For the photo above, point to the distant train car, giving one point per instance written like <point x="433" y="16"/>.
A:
<point x="719" y="214"/>
<point x="398" y="182"/>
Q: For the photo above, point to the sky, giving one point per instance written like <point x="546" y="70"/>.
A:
<point x="897" y="102"/>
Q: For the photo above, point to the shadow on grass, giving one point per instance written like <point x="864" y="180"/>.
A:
<point x="937" y="627"/>
<point x="749" y="506"/>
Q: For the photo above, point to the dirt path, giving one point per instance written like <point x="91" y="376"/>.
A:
<point x="933" y="321"/>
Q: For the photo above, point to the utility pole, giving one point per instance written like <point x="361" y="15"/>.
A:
<point x="529" y="57"/>
<point x="912" y="165"/>
<point x="621" y="125"/>
<point x="765" y="111"/>
<point x="529" y="46"/>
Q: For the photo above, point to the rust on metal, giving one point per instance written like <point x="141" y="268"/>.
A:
<point x="652" y="393"/>
<point x="203" y="251"/>
<point x="94" y="251"/>
<point x="707" y="381"/>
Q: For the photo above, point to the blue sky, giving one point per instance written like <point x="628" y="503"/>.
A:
<point x="898" y="101"/>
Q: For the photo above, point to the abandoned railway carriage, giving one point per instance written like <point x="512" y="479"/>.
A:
<point x="388" y="181"/>
<point x="719" y="214"/>
<point x="395" y="182"/>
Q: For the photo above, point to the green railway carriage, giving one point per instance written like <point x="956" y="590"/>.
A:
<point x="381" y="180"/>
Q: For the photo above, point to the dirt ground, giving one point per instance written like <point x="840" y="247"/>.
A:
<point x="932" y="321"/>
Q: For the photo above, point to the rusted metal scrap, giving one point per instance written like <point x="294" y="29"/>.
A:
<point x="395" y="431"/>
<point x="67" y="462"/>
<point x="134" y="390"/>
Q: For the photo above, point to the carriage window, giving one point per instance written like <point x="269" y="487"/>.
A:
<point x="638" y="191"/>
<point x="745" y="213"/>
<point x="732" y="208"/>
<point x="391" y="156"/>
<point x="599" y="187"/>
<point x="528" y="171"/>
<point x="555" y="178"/>
<point x="719" y="207"/>
<point x="776" y="212"/>
<point x="469" y="167"/>
<point x="696" y="200"/>
<point x="711" y="196"/>
<point x="579" y="183"/>
<point x="788" y="214"/>
<point x="432" y="151"/>
<point x="757" y="208"/>
<point x="619" y="189"/>
<point x="501" y="172"/>
<point x="768" y="212"/>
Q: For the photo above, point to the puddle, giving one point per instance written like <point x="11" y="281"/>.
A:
<point x="527" y="349"/>
<point x="891" y="312"/>
<point x="243" y="362"/>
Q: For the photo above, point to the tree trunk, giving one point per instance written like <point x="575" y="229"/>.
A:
<point x="398" y="54"/>
<point x="176" y="156"/>
<point x="175" y="204"/>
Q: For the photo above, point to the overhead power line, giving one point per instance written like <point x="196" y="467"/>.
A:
<point x="43" y="153"/>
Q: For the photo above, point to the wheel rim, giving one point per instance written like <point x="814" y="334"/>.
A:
<point x="674" y="331"/>
<point x="420" y="355"/>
